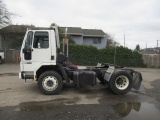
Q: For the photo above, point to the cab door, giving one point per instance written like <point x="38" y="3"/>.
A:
<point x="37" y="50"/>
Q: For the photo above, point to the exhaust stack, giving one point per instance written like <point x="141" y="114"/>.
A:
<point x="65" y="44"/>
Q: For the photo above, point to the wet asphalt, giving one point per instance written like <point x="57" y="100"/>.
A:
<point x="20" y="101"/>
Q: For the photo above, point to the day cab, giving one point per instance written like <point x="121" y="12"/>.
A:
<point x="42" y="61"/>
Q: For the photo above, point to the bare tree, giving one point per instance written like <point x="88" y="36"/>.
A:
<point x="5" y="15"/>
<point x="110" y="40"/>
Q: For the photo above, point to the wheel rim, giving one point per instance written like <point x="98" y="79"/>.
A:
<point x="122" y="82"/>
<point x="50" y="83"/>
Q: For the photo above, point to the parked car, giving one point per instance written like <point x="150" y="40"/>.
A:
<point x="1" y="57"/>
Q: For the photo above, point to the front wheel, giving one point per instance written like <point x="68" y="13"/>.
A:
<point x="50" y="83"/>
<point x="121" y="82"/>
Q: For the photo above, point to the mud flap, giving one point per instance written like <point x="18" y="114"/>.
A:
<point x="137" y="79"/>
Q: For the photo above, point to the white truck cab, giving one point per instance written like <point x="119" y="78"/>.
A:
<point x="39" y="48"/>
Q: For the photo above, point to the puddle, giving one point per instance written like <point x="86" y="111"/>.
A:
<point x="46" y="105"/>
<point x="8" y="74"/>
<point x="137" y="111"/>
<point x="125" y="111"/>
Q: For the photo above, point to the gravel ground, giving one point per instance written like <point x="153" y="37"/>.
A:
<point x="24" y="101"/>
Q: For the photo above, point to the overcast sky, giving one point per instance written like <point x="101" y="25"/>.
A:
<point x="138" y="19"/>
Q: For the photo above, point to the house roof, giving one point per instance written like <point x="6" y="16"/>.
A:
<point x="71" y="30"/>
<point x="16" y="28"/>
<point x="93" y="32"/>
<point x="84" y="32"/>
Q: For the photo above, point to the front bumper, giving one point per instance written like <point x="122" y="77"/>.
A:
<point x="26" y="75"/>
<point x="20" y="75"/>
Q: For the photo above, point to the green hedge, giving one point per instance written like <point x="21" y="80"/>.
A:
<point x="83" y="54"/>
<point x="89" y="55"/>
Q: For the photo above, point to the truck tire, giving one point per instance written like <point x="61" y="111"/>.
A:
<point x="50" y="83"/>
<point x="121" y="82"/>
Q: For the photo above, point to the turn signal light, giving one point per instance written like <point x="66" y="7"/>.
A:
<point x="19" y="59"/>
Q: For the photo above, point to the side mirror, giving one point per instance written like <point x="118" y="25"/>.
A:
<point x="27" y="53"/>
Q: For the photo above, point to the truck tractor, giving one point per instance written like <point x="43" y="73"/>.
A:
<point x="41" y="60"/>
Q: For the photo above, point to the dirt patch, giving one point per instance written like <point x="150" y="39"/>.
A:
<point x="8" y="74"/>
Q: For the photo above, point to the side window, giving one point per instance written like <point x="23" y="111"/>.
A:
<point x="97" y="41"/>
<point x="41" y="40"/>
<point x="28" y="42"/>
<point x="28" y="46"/>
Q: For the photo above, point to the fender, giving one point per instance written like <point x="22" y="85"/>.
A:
<point x="109" y="73"/>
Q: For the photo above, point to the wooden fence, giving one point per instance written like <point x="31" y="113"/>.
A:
<point x="152" y="60"/>
<point x="10" y="55"/>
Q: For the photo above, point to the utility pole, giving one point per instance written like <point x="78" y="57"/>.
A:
<point x="157" y="43"/>
<point x="146" y="45"/>
<point x="124" y="40"/>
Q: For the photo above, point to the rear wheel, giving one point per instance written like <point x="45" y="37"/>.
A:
<point x="121" y="82"/>
<point x="50" y="83"/>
